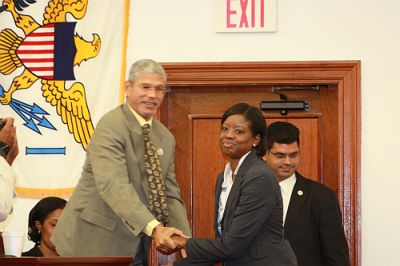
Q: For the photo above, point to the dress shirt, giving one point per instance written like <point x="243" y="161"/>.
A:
<point x="226" y="189"/>
<point x="287" y="186"/>
<point x="7" y="186"/>
<point x="148" y="229"/>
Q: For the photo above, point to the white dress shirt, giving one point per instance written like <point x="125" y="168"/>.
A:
<point x="7" y="187"/>
<point x="226" y="189"/>
<point x="287" y="186"/>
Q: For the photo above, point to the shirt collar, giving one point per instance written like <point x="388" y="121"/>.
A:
<point x="228" y="172"/>
<point x="288" y="184"/>
<point x="140" y="118"/>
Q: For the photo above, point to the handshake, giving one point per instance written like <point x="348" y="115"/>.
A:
<point x="169" y="239"/>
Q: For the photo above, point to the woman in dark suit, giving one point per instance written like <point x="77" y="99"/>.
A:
<point x="248" y="213"/>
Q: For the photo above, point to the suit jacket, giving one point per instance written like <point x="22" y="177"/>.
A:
<point x="252" y="231"/>
<point x="109" y="207"/>
<point x="313" y="225"/>
<point x="33" y="252"/>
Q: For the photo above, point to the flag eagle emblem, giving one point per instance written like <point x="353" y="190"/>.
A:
<point x="48" y="53"/>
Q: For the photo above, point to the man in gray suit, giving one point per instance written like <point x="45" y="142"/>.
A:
<point x="108" y="214"/>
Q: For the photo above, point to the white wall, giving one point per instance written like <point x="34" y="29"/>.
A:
<point x="365" y="30"/>
<point x="183" y="31"/>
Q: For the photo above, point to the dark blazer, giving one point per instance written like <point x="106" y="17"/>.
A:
<point x="252" y="231"/>
<point x="313" y="225"/>
<point x="109" y="207"/>
<point x="33" y="252"/>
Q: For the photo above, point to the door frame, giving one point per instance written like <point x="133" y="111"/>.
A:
<point x="345" y="75"/>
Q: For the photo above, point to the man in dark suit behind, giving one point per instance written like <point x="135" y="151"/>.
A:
<point x="312" y="217"/>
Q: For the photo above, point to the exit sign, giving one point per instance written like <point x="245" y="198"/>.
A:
<point x="246" y="15"/>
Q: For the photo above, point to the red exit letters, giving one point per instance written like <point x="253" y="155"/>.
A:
<point x="245" y="14"/>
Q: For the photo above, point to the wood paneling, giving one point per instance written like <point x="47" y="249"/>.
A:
<point x="207" y="163"/>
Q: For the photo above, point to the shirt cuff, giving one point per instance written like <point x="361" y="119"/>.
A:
<point x="148" y="230"/>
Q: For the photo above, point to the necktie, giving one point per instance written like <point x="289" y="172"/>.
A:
<point x="157" y="198"/>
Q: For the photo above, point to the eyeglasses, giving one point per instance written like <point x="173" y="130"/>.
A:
<point x="282" y="156"/>
<point x="161" y="89"/>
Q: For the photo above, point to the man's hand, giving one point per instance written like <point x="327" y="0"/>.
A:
<point x="162" y="238"/>
<point x="180" y="242"/>
<point x="13" y="152"/>
<point x="8" y="135"/>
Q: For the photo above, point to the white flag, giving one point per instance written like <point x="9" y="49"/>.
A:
<point x="61" y="69"/>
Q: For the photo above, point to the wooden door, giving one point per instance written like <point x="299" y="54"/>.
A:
<point x="201" y="92"/>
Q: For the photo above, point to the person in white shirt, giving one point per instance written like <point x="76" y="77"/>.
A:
<point x="312" y="217"/>
<point x="8" y="153"/>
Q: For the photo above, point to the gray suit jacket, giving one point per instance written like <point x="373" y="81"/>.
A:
<point x="109" y="207"/>
<point x="252" y="231"/>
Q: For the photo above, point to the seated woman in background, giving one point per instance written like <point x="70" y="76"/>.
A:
<point x="42" y="220"/>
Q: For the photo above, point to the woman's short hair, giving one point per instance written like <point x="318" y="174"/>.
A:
<point x="258" y="125"/>
<point x="40" y="212"/>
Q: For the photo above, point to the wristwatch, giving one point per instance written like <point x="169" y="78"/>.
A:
<point x="4" y="149"/>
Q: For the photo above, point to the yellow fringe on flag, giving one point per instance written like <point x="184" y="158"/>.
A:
<point x="124" y="48"/>
<point x="39" y="193"/>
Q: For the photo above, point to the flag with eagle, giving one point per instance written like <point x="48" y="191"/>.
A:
<point x="61" y="68"/>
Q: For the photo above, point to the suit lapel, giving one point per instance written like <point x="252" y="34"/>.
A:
<point x="231" y="198"/>
<point x="157" y="137"/>
<point x="220" y="179"/>
<point x="160" y="145"/>
<point x="138" y="141"/>
<point x="247" y="163"/>
<point x="299" y="195"/>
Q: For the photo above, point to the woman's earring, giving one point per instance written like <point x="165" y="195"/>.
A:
<point x="254" y="144"/>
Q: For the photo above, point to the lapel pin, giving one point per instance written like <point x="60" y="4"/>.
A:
<point x="300" y="192"/>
